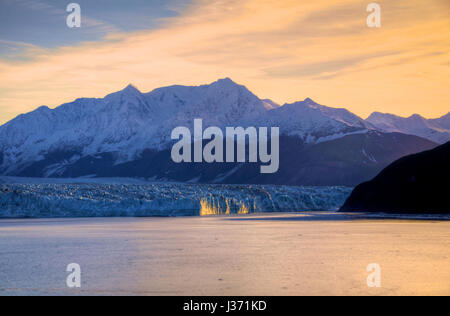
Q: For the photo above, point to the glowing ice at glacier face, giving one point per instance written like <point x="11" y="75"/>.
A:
<point x="134" y="200"/>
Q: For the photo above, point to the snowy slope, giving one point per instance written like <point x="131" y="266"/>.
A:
<point x="437" y="130"/>
<point x="443" y="122"/>
<point x="270" y="105"/>
<point x="313" y="122"/>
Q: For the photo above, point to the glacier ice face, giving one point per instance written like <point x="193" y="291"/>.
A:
<point x="167" y="199"/>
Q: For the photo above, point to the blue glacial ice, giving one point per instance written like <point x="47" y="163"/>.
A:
<point x="59" y="200"/>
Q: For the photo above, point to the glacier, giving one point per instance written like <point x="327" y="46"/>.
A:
<point x="61" y="200"/>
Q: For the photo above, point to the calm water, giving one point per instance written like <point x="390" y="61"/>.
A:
<point x="252" y="255"/>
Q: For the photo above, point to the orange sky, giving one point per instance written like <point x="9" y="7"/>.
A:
<point x="285" y="50"/>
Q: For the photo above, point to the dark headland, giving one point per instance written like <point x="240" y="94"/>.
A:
<point x="416" y="184"/>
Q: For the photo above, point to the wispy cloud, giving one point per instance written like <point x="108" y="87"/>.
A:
<point x="19" y="51"/>
<point x="334" y="67"/>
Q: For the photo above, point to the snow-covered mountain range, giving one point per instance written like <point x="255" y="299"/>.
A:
<point x="437" y="130"/>
<point x="125" y="126"/>
<point x="125" y="122"/>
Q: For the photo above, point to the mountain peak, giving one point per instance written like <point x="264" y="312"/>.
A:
<point x="129" y="91"/>
<point x="380" y="115"/>
<point x="225" y="82"/>
<point x="416" y="117"/>
<point x="42" y="108"/>
<point x="131" y="88"/>
<point x="310" y="101"/>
